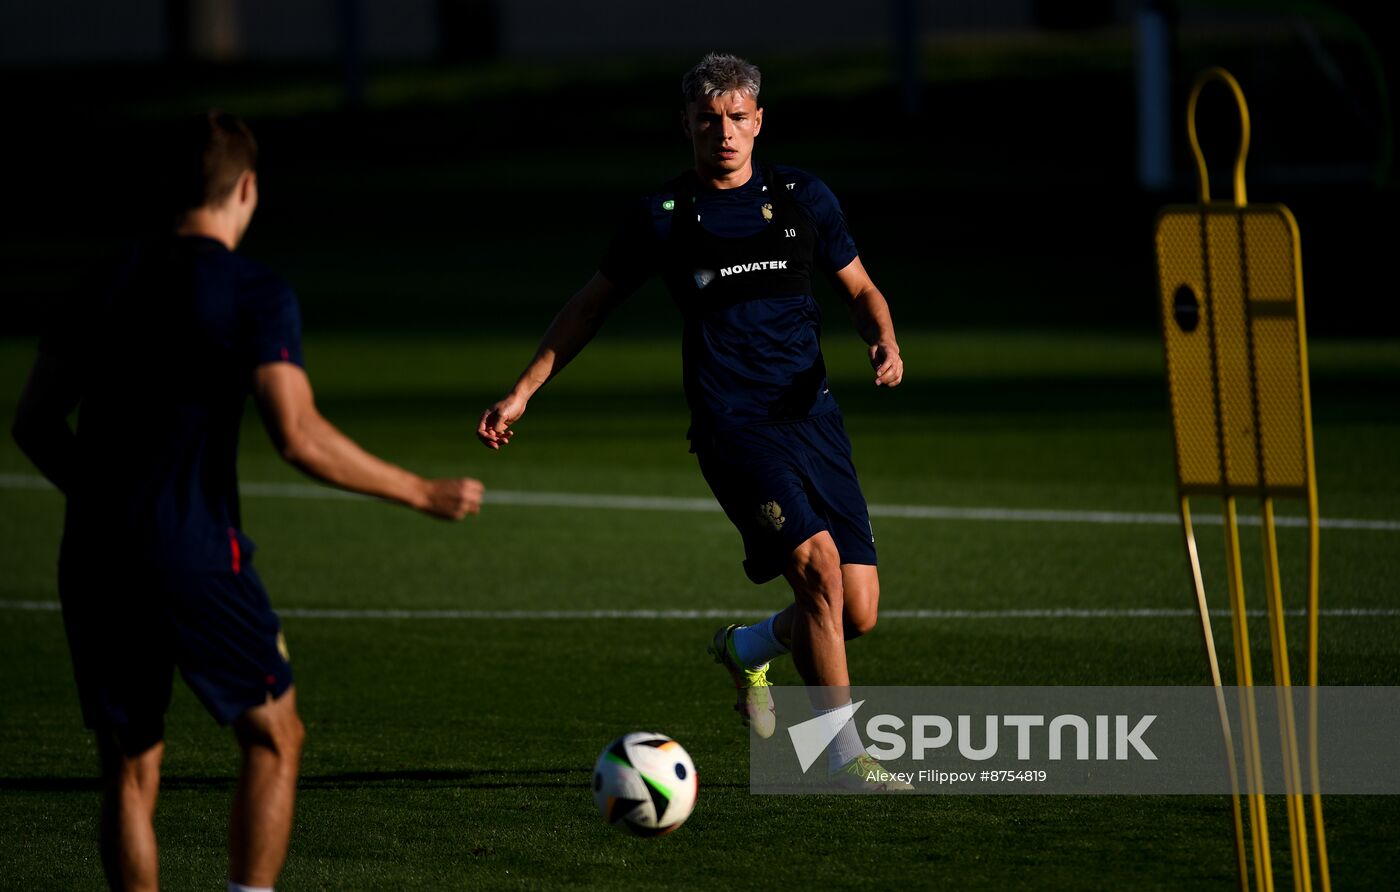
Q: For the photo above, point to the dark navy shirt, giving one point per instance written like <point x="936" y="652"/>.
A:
<point x="165" y="345"/>
<point x="747" y="357"/>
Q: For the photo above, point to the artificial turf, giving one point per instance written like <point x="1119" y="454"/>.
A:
<point x="456" y="752"/>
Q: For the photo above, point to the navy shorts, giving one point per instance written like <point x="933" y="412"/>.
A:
<point x="781" y="484"/>
<point x="129" y="630"/>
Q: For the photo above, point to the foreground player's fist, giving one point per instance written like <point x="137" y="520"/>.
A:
<point x="451" y="498"/>
<point x="889" y="367"/>
<point x="494" y="428"/>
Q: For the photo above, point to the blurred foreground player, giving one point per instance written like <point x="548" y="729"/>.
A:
<point x="159" y="355"/>
<point x="737" y="243"/>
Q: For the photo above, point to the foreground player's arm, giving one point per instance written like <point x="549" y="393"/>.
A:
<point x="41" y="428"/>
<point x="872" y="318"/>
<point x="567" y="335"/>
<point x="313" y="445"/>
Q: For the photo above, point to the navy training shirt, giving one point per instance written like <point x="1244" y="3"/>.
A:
<point x="748" y="357"/>
<point x="165" y="346"/>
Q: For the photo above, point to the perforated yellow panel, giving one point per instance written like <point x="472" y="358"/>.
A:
<point x="1190" y="359"/>
<point x="1229" y="284"/>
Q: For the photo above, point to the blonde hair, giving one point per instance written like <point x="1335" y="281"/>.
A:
<point x="720" y="73"/>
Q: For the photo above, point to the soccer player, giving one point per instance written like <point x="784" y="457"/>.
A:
<point x="159" y="354"/>
<point x="736" y="243"/>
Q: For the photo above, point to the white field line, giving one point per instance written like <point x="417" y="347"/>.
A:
<point x="1033" y="613"/>
<point x="664" y="503"/>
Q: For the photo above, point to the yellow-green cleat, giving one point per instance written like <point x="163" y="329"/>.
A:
<point x="866" y="775"/>
<point x="755" y="703"/>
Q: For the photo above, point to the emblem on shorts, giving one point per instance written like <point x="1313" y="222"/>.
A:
<point x="767" y="211"/>
<point x="770" y="515"/>
<point x="282" y="647"/>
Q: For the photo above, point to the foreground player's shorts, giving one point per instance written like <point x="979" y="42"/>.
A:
<point x="128" y="631"/>
<point x="783" y="483"/>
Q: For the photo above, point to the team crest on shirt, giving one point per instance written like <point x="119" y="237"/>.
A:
<point x="703" y="277"/>
<point x="767" y="211"/>
<point x="770" y="515"/>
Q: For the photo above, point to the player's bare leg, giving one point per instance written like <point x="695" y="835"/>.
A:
<point x="861" y="585"/>
<point x="816" y="634"/>
<point x="746" y="650"/>
<point x="130" y="785"/>
<point x="860" y="594"/>
<point x="817" y="617"/>
<point x="816" y="628"/>
<point x="260" y="827"/>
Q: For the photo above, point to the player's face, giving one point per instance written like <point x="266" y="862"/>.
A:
<point x="722" y="130"/>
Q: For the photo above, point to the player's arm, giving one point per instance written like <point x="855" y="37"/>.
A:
<point x="313" y="445"/>
<point x="567" y="335"/>
<point x="41" y="428"/>
<point x="872" y="318"/>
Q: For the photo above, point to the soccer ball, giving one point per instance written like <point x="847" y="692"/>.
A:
<point x="645" y="783"/>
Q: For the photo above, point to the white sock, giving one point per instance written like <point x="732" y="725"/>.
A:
<point x="239" y="887"/>
<point x="757" y="644"/>
<point x="846" y="745"/>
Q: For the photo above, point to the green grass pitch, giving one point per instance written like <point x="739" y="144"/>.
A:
<point x="456" y="753"/>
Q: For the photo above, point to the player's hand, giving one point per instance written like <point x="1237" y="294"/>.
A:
<point x="889" y="367"/>
<point x="494" y="428"/>
<point x="451" y="498"/>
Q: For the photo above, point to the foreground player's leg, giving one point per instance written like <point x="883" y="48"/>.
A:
<point x="833" y="602"/>
<point x="261" y="824"/>
<point x="759" y="643"/>
<point x="860" y="596"/>
<point x="816" y="617"/>
<point x="755" y="704"/>
<point x="862" y="606"/>
<point x="752" y="647"/>
<point x="861" y="603"/>
<point x="817" y="636"/>
<point x="129" y="787"/>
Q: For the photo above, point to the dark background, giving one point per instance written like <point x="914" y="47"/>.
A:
<point x="476" y="188"/>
